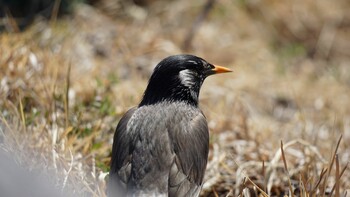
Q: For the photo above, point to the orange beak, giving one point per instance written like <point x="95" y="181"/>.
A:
<point x="220" y="69"/>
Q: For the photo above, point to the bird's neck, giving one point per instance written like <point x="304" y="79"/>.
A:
<point x="160" y="92"/>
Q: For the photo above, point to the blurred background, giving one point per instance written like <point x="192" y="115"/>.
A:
<point x="70" y="69"/>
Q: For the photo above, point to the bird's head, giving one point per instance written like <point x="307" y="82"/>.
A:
<point x="179" y="78"/>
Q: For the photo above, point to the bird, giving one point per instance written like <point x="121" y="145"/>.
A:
<point x="160" y="147"/>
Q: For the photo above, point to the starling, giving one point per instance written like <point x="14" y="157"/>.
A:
<point x="161" y="146"/>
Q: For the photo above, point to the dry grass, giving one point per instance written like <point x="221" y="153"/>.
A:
<point x="280" y="124"/>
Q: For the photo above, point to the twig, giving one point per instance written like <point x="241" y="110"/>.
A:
<point x="200" y="18"/>
<point x="55" y="10"/>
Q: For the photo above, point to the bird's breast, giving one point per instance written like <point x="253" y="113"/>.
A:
<point x="153" y="128"/>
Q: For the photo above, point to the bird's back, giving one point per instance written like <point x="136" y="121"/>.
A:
<point x="160" y="149"/>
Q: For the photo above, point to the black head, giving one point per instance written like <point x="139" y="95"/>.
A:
<point x="179" y="78"/>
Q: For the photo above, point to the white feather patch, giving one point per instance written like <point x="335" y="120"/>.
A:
<point x="187" y="78"/>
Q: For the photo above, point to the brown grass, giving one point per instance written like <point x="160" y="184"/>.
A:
<point x="280" y="124"/>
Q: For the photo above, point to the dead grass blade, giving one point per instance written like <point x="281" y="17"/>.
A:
<point x="69" y="170"/>
<point x="323" y="172"/>
<point x="323" y="186"/>
<point x="66" y="96"/>
<point x="337" y="176"/>
<point x="263" y="174"/>
<point x="65" y="133"/>
<point x="302" y="186"/>
<point x="257" y="187"/>
<point x="241" y="188"/>
<point x="21" y="110"/>
<point x="338" y="179"/>
<point x="215" y="193"/>
<point x="230" y="193"/>
<point x="286" y="170"/>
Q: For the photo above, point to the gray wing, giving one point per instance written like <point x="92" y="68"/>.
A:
<point x="119" y="173"/>
<point x="191" y="154"/>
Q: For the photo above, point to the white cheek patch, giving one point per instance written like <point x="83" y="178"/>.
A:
<point x="187" y="78"/>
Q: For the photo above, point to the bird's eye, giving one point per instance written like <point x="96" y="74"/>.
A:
<point x="210" y="66"/>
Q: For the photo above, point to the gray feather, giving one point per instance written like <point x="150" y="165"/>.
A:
<point x="160" y="149"/>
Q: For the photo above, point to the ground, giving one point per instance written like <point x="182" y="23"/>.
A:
<point x="279" y="123"/>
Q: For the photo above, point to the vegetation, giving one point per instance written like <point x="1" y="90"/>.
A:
<point x="280" y="124"/>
